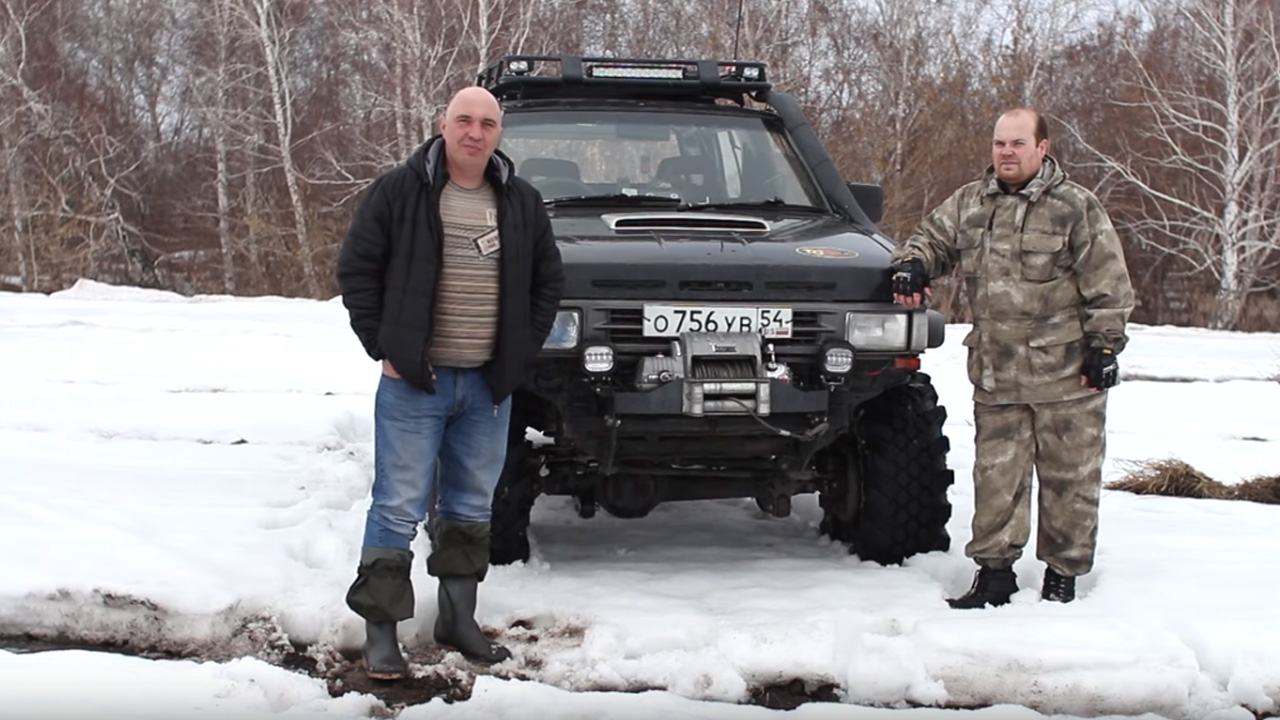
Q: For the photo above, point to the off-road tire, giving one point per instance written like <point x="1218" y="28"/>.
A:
<point x="512" y="502"/>
<point x="899" y="460"/>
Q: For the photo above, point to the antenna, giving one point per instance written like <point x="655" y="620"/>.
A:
<point x="737" y="30"/>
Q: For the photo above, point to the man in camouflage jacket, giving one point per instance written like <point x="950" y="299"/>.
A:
<point x="1050" y="294"/>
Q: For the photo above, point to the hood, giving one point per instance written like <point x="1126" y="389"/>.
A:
<point x="427" y="162"/>
<point x="1051" y="174"/>
<point x="640" y="255"/>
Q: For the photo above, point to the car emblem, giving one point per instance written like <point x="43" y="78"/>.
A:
<point x="826" y="252"/>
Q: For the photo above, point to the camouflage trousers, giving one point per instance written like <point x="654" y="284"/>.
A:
<point x="1064" y="442"/>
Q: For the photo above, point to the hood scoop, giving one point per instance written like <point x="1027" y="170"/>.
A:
<point x="685" y="221"/>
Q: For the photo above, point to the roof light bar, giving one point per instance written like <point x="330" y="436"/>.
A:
<point x="574" y="76"/>
<point x="626" y="71"/>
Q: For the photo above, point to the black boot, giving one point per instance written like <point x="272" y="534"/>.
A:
<point x="1058" y="588"/>
<point x="456" y="625"/>
<point x="382" y="658"/>
<point x="990" y="587"/>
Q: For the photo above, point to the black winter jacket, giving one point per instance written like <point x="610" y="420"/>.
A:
<point x="389" y="267"/>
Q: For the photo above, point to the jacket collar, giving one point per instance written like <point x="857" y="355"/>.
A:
<point x="1051" y="174"/>
<point x="428" y="162"/>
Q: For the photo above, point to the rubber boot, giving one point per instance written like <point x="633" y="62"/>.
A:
<point x="990" y="587"/>
<point x="1058" y="588"/>
<point x="456" y="626"/>
<point x="383" y="595"/>
<point x="382" y="658"/>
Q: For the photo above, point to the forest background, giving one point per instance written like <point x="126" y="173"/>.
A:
<point x="220" y="146"/>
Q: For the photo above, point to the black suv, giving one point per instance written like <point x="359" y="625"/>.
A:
<point x="727" y="328"/>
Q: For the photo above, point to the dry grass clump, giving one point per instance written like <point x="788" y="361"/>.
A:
<point x="1262" y="489"/>
<point x="1171" y="478"/>
<point x="1174" y="478"/>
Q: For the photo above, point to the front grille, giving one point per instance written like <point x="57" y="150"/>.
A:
<point x="795" y="286"/>
<point x="719" y="286"/>
<point x="625" y="326"/>
<point x="629" y="284"/>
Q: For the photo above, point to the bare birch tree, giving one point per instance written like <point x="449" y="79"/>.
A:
<point x="214" y="84"/>
<point x="1027" y="35"/>
<point x="22" y="114"/>
<point x="1203" y="156"/>
<point x="407" y="53"/>
<point x="412" y="55"/>
<point x="227" y="88"/>
<point x="496" y="27"/>
<point x="274" y="41"/>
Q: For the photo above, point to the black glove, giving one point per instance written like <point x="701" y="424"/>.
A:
<point x="910" y="277"/>
<point x="1100" y="370"/>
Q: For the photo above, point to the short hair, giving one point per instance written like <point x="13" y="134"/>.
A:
<point x="1042" y="126"/>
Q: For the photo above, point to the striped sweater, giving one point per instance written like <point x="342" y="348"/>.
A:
<point x="466" y="311"/>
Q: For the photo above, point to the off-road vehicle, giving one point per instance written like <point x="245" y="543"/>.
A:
<point x="727" y="328"/>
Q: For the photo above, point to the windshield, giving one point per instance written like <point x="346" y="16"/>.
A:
<point x="689" y="156"/>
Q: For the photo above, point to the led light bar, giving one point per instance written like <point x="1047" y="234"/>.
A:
<point x="641" y="72"/>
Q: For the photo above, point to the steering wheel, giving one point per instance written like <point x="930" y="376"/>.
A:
<point x="553" y="187"/>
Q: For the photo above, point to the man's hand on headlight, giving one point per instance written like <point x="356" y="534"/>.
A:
<point x="911" y="283"/>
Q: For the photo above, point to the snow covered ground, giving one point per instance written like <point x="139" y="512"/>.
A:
<point x="192" y="475"/>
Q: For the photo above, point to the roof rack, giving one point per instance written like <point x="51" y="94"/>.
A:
<point x="526" y="77"/>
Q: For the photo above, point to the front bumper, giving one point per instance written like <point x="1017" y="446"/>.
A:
<point x="674" y="398"/>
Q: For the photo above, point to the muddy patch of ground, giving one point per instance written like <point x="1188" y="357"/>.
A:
<point x="434" y="673"/>
<point x="792" y="694"/>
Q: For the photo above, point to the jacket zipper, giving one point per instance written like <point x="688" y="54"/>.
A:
<point x="438" y="227"/>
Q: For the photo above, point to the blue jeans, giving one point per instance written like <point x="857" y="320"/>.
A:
<point x="458" y="431"/>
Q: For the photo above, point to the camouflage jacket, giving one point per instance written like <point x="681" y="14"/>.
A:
<point x="1045" y="277"/>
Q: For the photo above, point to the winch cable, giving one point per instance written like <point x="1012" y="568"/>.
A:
<point x="805" y="436"/>
<point x="746" y="370"/>
<point x="725" y="370"/>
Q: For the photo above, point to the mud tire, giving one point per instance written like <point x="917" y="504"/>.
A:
<point x="512" y="503"/>
<point x="897" y="469"/>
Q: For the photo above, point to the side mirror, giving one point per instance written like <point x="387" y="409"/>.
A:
<point x="870" y="198"/>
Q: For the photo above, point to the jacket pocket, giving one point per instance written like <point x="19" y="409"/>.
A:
<point x="1040" y="256"/>
<point x="1056" y="352"/>
<point x="973" y="341"/>
<point x="969" y="248"/>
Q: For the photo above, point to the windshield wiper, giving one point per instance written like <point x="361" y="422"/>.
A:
<point x="613" y="199"/>
<point x="770" y="204"/>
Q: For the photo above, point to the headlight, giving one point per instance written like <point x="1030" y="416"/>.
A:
<point x="877" y="331"/>
<point x="565" y="332"/>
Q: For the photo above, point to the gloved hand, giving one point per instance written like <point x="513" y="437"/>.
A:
<point x="1100" y="369"/>
<point x="910" y="282"/>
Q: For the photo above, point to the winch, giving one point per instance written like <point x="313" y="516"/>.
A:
<point x="723" y="373"/>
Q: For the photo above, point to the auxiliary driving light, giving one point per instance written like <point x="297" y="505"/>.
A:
<point x="837" y="358"/>
<point x="597" y="359"/>
<point x="518" y="67"/>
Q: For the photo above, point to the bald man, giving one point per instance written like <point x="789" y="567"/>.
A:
<point x="1050" y="294"/>
<point x="452" y="279"/>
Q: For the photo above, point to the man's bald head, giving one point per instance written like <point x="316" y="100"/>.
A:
<point x="473" y="98"/>
<point x="472" y="127"/>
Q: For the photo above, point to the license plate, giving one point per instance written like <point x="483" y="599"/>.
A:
<point x="671" y="320"/>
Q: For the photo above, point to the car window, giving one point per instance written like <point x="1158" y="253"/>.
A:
<point x="697" y="157"/>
